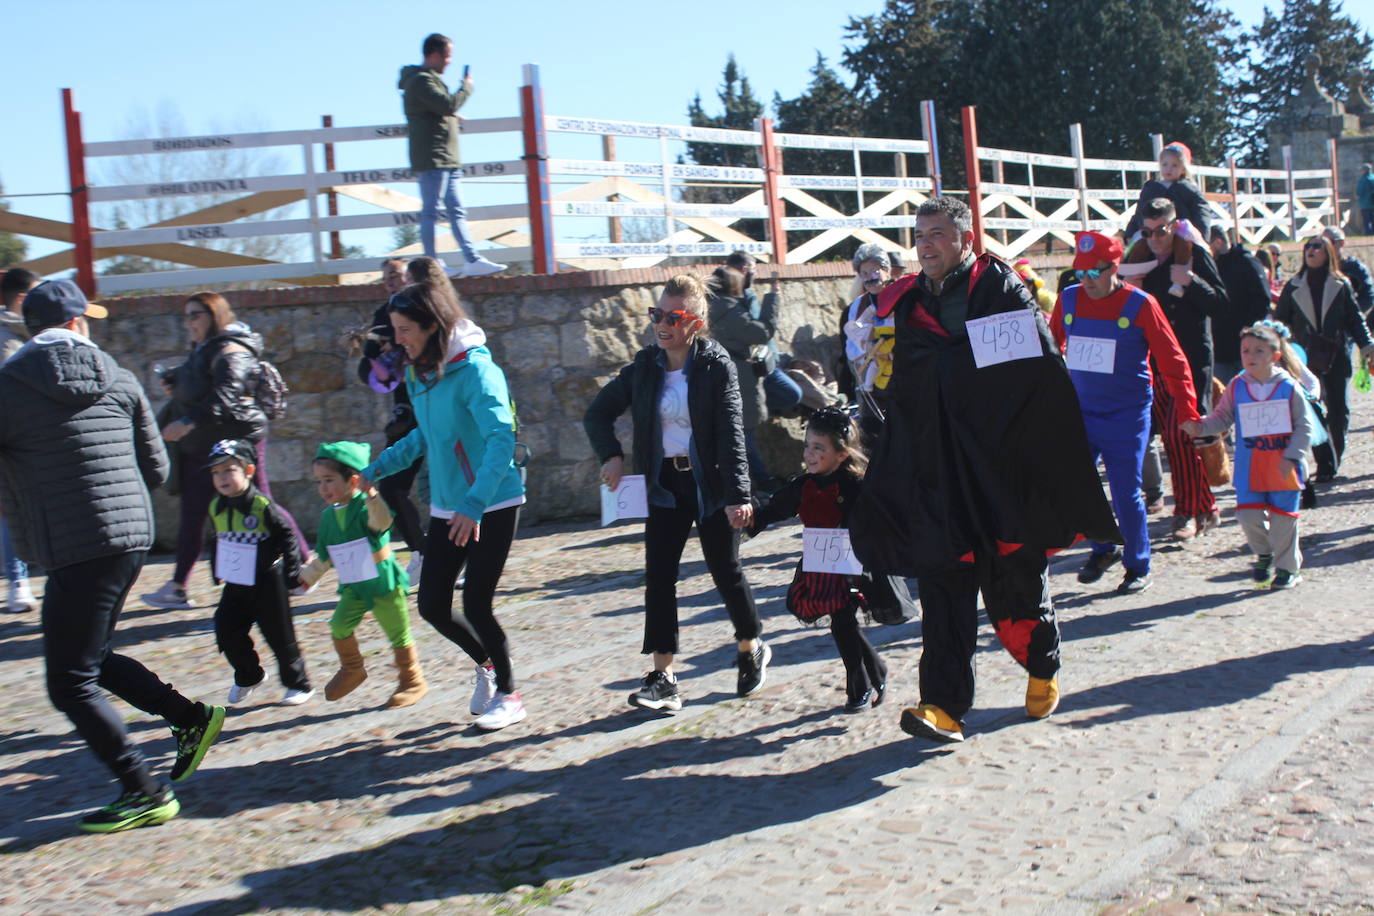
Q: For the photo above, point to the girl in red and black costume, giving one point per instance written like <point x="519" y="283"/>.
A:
<point x="823" y="496"/>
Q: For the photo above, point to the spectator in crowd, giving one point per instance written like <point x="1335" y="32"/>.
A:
<point x="79" y="448"/>
<point x="213" y="397"/>
<point x="1318" y="304"/>
<point x="1354" y="270"/>
<point x="945" y="496"/>
<point x="898" y="263"/>
<point x="1247" y="294"/>
<point x="1175" y="183"/>
<point x="382" y="369"/>
<point x="1364" y="192"/>
<point x="780" y="391"/>
<point x="432" y="122"/>
<point x="15" y="284"/>
<point x="746" y="339"/>
<point x="1202" y="299"/>
<point x="1276" y="253"/>
<point x="868" y="338"/>
<point x="1266" y="259"/>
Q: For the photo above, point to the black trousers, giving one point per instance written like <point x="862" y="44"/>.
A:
<point x="81" y="608"/>
<point x="267" y="604"/>
<point x="863" y="668"/>
<point x="395" y="492"/>
<point x="477" y="632"/>
<point x="1335" y="394"/>
<point x="665" y="536"/>
<point x="1016" y="593"/>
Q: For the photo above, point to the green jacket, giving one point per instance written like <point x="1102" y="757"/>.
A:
<point x="429" y="109"/>
<point x="390" y="575"/>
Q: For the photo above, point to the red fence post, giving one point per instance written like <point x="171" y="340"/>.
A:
<point x="537" y="172"/>
<point x="772" y="169"/>
<point x="81" y="212"/>
<point x="971" y="167"/>
<point x="1336" y="218"/>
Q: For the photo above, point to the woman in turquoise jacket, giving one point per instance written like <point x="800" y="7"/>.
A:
<point x="466" y="433"/>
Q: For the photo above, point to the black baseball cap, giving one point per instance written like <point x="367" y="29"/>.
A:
<point x="55" y="302"/>
<point x="239" y="450"/>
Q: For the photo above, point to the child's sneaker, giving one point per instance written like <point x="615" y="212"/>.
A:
<point x="294" y="697"/>
<point x="193" y="742"/>
<point x="133" y="809"/>
<point x="238" y="693"/>
<point x="505" y="709"/>
<point x="483" y="689"/>
<point x="170" y="596"/>
<point x="1285" y="579"/>
<point x="21" y="597"/>
<point x="659" y="692"/>
<point x="928" y="721"/>
<point x="753" y="669"/>
<point x="1263" y="569"/>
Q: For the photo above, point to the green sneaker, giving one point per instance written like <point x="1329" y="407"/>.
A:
<point x="132" y="809"/>
<point x="193" y="742"/>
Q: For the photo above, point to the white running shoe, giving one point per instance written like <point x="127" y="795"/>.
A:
<point x="483" y="689"/>
<point x="482" y="268"/>
<point x="417" y="563"/>
<point x="505" y="709"/>
<point x="294" y="697"/>
<point x="170" y="596"/>
<point x="238" y="694"/>
<point x="21" y="597"/>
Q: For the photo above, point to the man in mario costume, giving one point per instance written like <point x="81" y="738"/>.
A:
<point x="1108" y="331"/>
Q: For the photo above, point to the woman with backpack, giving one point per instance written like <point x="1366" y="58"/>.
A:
<point x="219" y="393"/>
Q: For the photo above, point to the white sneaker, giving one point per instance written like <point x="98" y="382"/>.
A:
<point x="482" y="268"/>
<point x="171" y="596"/>
<point x="417" y="562"/>
<point x="505" y="709"/>
<point x="483" y="690"/>
<point x="21" y="597"/>
<point x="239" y="694"/>
<point x="294" y="697"/>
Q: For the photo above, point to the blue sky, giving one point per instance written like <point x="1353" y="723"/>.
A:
<point x="254" y="65"/>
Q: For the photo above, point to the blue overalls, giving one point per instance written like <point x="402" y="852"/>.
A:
<point x="1115" y="394"/>
<point x="1260" y="480"/>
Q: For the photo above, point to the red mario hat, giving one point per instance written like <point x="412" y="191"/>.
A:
<point x="1093" y="248"/>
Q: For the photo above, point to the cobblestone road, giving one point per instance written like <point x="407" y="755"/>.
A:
<point x="1212" y="753"/>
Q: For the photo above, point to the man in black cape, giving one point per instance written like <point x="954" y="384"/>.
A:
<point x="979" y="473"/>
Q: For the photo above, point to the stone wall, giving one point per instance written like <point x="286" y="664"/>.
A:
<point x="558" y="338"/>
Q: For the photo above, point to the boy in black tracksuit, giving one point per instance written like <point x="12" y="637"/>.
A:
<point x="253" y="544"/>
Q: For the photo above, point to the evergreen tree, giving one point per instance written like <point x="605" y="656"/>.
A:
<point x="405" y="235"/>
<point x="739" y="111"/>
<point x="1278" y="64"/>
<point x="13" y="249"/>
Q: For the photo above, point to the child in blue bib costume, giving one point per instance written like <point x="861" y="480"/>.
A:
<point x="1110" y="331"/>
<point x="355" y="529"/>
<point x="1273" y="438"/>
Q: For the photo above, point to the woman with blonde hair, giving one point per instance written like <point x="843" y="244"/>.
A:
<point x="683" y="396"/>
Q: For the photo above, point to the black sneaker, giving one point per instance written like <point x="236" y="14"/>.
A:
<point x="1263" y="569"/>
<point x="659" y="693"/>
<point x="132" y="809"/>
<point x="753" y="669"/>
<point x="1285" y="579"/>
<point x="861" y="703"/>
<point x="1097" y="566"/>
<point x="1133" y="583"/>
<point x="193" y="742"/>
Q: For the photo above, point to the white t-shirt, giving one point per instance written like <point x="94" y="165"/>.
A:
<point x="672" y="415"/>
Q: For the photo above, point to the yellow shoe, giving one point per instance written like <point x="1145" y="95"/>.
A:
<point x="927" y="721"/>
<point x="1042" y="696"/>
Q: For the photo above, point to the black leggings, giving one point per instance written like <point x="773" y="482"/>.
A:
<point x="665" y="536"/>
<point x="863" y="668"/>
<point x="395" y="492"/>
<point x="477" y="633"/>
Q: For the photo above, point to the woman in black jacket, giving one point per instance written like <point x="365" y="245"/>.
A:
<point x="213" y="398"/>
<point x="1318" y="303"/>
<point x="683" y="396"/>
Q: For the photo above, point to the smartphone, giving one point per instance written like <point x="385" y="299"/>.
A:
<point x="466" y="68"/>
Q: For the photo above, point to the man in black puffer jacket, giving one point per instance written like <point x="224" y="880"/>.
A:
<point x="79" y="449"/>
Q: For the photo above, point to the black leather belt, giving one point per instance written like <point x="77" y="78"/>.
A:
<point x="679" y="462"/>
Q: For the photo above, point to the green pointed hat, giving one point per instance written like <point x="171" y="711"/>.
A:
<point x="355" y="455"/>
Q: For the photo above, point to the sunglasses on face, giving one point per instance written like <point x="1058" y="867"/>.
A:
<point x="1314" y="246"/>
<point x="1146" y="232"/>
<point x="673" y="318"/>
<point x="1092" y="272"/>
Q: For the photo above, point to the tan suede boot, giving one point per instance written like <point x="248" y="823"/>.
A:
<point x="410" y="684"/>
<point x="351" y="672"/>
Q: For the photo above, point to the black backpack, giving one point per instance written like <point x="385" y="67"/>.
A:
<point x="269" y="390"/>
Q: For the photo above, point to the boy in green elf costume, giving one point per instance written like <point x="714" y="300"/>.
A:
<point x="354" y="538"/>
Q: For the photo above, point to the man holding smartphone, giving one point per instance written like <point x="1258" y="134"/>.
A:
<point x="432" y="121"/>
